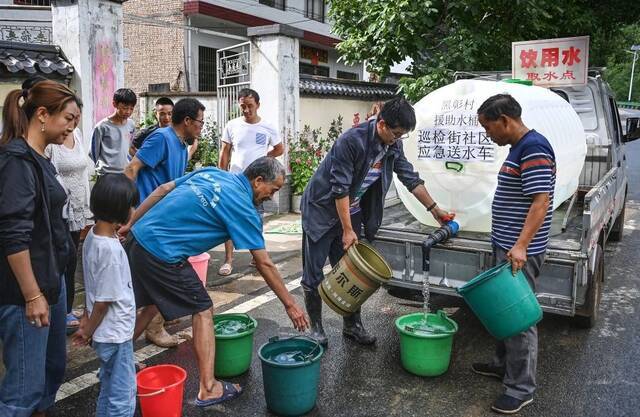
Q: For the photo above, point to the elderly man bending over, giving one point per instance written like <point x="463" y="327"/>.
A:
<point x="189" y="216"/>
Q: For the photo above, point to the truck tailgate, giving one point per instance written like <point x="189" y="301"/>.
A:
<point x="458" y="260"/>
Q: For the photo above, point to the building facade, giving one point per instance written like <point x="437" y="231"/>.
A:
<point x="27" y="46"/>
<point x="173" y="47"/>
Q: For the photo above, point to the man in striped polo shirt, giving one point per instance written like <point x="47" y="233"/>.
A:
<point x="521" y="219"/>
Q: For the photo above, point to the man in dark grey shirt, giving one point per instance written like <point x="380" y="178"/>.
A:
<point x="112" y="136"/>
<point x="346" y="196"/>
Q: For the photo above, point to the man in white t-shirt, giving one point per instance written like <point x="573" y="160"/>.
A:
<point x="244" y="140"/>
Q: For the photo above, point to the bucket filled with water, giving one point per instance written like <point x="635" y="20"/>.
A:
<point x="351" y="282"/>
<point x="160" y="389"/>
<point x="505" y="304"/>
<point x="425" y="342"/>
<point x="234" y="343"/>
<point x="291" y="373"/>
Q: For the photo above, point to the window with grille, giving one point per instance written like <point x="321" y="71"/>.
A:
<point x="309" y="69"/>
<point x="206" y="68"/>
<point x="276" y="4"/>
<point x="345" y="75"/>
<point x="315" y="10"/>
<point x="32" y="2"/>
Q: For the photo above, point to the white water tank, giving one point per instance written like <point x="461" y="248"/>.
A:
<point x="460" y="164"/>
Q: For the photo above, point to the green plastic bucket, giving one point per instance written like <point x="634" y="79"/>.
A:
<point x="505" y="304"/>
<point x="426" y="353"/>
<point x="234" y="351"/>
<point x="291" y="389"/>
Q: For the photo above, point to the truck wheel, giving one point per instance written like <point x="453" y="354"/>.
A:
<point x="587" y="316"/>
<point x="618" y="226"/>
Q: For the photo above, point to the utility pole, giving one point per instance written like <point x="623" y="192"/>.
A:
<point x="635" y="49"/>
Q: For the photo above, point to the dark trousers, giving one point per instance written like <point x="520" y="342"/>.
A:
<point x="314" y="254"/>
<point x="518" y="355"/>
<point x="70" y="271"/>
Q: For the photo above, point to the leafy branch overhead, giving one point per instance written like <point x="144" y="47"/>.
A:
<point x="457" y="35"/>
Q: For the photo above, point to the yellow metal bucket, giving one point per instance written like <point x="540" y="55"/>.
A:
<point x="351" y="282"/>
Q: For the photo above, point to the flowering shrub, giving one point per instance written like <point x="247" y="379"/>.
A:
<point x="207" y="152"/>
<point x="306" y="151"/>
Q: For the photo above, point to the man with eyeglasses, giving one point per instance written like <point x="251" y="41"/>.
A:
<point x="163" y="155"/>
<point x="347" y="192"/>
<point x="161" y="159"/>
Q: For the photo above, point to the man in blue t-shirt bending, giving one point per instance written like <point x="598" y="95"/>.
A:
<point x="521" y="219"/>
<point x="189" y="216"/>
<point x="162" y="158"/>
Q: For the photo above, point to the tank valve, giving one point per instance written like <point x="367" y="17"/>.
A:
<point x="449" y="229"/>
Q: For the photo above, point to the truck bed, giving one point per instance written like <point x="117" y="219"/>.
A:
<point x="397" y="219"/>
<point x="459" y="259"/>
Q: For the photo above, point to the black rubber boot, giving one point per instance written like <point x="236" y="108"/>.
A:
<point x="354" y="329"/>
<point x="313" y="304"/>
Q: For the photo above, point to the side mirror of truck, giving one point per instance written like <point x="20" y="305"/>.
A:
<point x="633" y="129"/>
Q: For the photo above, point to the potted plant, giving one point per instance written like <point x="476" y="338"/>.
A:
<point x="306" y="151"/>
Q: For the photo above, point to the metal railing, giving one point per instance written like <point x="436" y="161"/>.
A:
<point x="315" y="10"/>
<point x="233" y="74"/>
<point x="32" y="2"/>
<point x="629" y="105"/>
<point x="277" y="4"/>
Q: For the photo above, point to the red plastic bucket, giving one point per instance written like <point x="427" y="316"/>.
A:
<point x="200" y="263"/>
<point x="160" y="389"/>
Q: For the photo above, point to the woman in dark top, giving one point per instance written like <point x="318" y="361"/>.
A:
<point x="34" y="245"/>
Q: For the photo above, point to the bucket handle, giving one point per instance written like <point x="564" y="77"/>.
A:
<point x="413" y="330"/>
<point x="251" y="324"/>
<point x="440" y="313"/>
<point x="153" y="394"/>
<point x="309" y="355"/>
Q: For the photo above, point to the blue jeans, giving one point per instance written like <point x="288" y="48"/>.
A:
<point x="35" y="359"/>
<point x="117" y="379"/>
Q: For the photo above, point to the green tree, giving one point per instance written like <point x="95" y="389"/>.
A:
<point x="442" y="36"/>
<point x="619" y="64"/>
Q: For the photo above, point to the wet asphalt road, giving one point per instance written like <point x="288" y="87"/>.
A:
<point x="580" y="372"/>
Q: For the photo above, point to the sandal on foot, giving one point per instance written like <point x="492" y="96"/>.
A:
<point x="229" y="392"/>
<point x="72" y="323"/>
<point x="225" y="270"/>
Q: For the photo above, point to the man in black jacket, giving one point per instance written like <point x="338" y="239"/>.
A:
<point x="348" y="191"/>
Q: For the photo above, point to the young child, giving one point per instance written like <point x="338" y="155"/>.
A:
<point x="110" y="314"/>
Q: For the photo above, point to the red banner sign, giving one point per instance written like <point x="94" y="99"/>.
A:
<point x="551" y="62"/>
